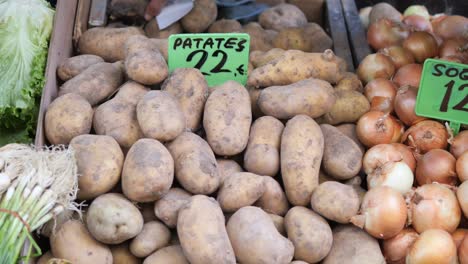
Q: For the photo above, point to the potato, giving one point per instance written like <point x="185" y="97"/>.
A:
<point x="312" y="9"/>
<point x="107" y="43"/>
<point x="162" y="45"/>
<point x="294" y="66"/>
<point x="350" y="131"/>
<point x="310" y="38"/>
<point x="301" y="154"/>
<point x="202" y="232"/>
<point x="45" y="258"/>
<point x="152" y="30"/>
<point x="189" y="87"/>
<point x="112" y="219"/>
<point x="350" y="81"/>
<point x="227" y="119"/>
<point x="254" y="94"/>
<point x="167" y="255"/>
<point x="335" y="201"/>
<point x="273" y="200"/>
<point x="127" y="9"/>
<point x="121" y="255"/>
<point x="227" y="167"/>
<point x="147" y="211"/>
<point x="255" y="238"/>
<point x="153" y="236"/>
<point x="96" y="83"/>
<point x="117" y="117"/>
<point x="278" y="221"/>
<point x="312" y="97"/>
<point x="262" y="154"/>
<point x="342" y="157"/>
<point x="282" y="16"/>
<point x="240" y="189"/>
<point x="352" y="245"/>
<point x="160" y="116"/>
<point x="203" y="14"/>
<point x="66" y="117"/>
<point x="148" y="171"/>
<point x="260" y="58"/>
<point x="309" y="232"/>
<point x="73" y="66"/>
<point x="167" y="208"/>
<point x="356" y="184"/>
<point x="348" y="108"/>
<point x="73" y="242"/>
<point x="99" y="160"/>
<point x="225" y="26"/>
<point x="259" y="38"/>
<point x="195" y="164"/>
<point x="384" y="10"/>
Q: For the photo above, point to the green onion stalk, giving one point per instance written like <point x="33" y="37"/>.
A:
<point x="36" y="185"/>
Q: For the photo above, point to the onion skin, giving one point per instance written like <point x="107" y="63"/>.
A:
<point x="379" y="155"/>
<point x="384" y="11"/>
<point x="435" y="206"/>
<point x="407" y="154"/>
<point x="409" y="74"/>
<point x="382" y="104"/>
<point x="422" y="45"/>
<point x="375" y="66"/>
<point x="398" y="130"/>
<point x="462" y="196"/>
<point x="384" y="213"/>
<point x="396" y="248"/>
<point x="380" y="87"/>
<point x="463" y="251"/>
<point x="419" y="10"/>
<point x="459" y="144"/>
<point x="437" y="165"/>
<point x="375" y="128"/>
<point x="385" y="33"/>
<point x="426" y="135"/>
<point x="458" y="236"/>
<point x="433" y="246"/>
<point x="451" y="27"/>
<point x="405" y="103"/>
<point x="454" y="48"/>
<point x="417" y="23"/>
<point x="399" y="55"/>
<point x="397" y="175"/>
<point x="461" y="167"/>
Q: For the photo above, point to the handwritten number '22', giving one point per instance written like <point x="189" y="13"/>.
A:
<point x="204" y="56"/>
<point x="448" y="94"/>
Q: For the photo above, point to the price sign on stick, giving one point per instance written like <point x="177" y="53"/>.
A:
<point x="220" y="57"/>
<point x="443" y="92"/>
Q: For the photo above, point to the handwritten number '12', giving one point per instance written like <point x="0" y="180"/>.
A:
<point x="448" y="94"/>
<point x="217" y="69"/>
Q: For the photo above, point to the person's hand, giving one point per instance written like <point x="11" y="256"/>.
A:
<point x="153" y="8"/>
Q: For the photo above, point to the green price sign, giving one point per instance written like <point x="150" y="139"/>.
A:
<point x="220" y="57"/>
<point x="443" y="92"/>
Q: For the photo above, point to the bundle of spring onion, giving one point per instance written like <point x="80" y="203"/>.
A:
<point x="35" y="186"/>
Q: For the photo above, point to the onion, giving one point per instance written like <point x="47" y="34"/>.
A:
<point x="426" y="135"/>
<point x="375" y="128"/>
<point x="399" y="55"/>
<point x="419" y="10"/>
<point x="364" y="15"/>
<point x="378" y="155"/>
<point x="384" y="10"/>
<point x="383" y="213"/>
<point x="375" y="66"/>
<point x="451" y="27"/>
<point x="422" y="45"/>
<point x="397" y="175"/>
<point x="405" y="102"/>
<point x="459" y="235"/>
<point x="463" y="251"/>
<point x="451" y="59"/>
<point x="380" y="87"/>
<point x="417" y="23"/>
<point x="396" y="248"/>
<point x="462" y="167"/>
<point x="454" y="48"/>
<point x="409" y="74"/>
<point x="398" y="130"/>
<point x="407" y="155"/>
<point x="459" y="144"/>
<point x="385" y="33"/>
<point x="462" y="195"/>
<point x="433" y="246"/>
<point x="382" y="104"/>
<point x="435" y="206"/>
<point x="437" y="165"/>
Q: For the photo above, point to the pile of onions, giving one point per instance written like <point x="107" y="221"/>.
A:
<point x="375" y="128"/>
<point x="409" y="74"/>
<point x="462" y="167"/>
<point x="396" y="248"/>
<point x="375" y="66"/>
<point x="454" y="49"/>
<point x="417" y="23"/>
<point x="426" y="135"/>
<point x="405" y="102"/>
<point x="462" y="195"/>
<point x="377" y="91"/>
<point x="433" y="246"/>
<point x="422" y="45"/>
<point x="383" y="213"/>
<point x="449" y="27"/>
<point x="437" y="165"/>
<point x="435" y="206"/>
<point x="459" y="144"/>
<point x="399" y="55"/>
<point x="385" y="33"/>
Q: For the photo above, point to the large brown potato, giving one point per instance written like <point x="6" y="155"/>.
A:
<point x="99" y="160"/>
<point x="73" y="66"/>
<point x="148" y="171"/>
<point x="202" y="232"/>
<point x="348" y="108"/>
<point x="227" y="119"/>
<point x="167" y="255"/>
<point x="255" y="238"/>
<point x="121" y="255"/>
<point x="153" y="236"/>
<point x="259" y="37"/>
<point x="282" y="16"/>
<point x="310" y="37"/>
<point x="301" y="154"/>
<point x="195" y="164"/>
<point x="226" y="167"/>
<point x="273" y="199"/>
<point x="73" y="242"/>
<point x="203" y="14"/>
<point x="240" y="189"/>
<point x="167" y="208"/>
